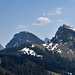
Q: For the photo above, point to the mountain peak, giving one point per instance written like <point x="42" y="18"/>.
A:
<point x="46" y="40"/>
<point x="65" y="26"/>
<point x="24" y="32"/>
<point x="64" y="34"/>
<point x="23" y="37"/>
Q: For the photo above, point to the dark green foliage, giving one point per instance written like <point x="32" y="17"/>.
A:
<point x="1" y="73"/>
<point x="30" y="65"/>
<point x="21" y="66"/>
<point x="15" y="63"/>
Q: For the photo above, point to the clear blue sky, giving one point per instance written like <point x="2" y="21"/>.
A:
<point x="41" y="17"/>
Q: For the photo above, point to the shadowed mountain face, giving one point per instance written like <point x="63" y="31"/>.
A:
<point x="63" y="42"/>
<point x="46" y="40"/>
<point x="64" y="34"/>
<point x="1" y="47"/>
<point x="23" y="37"/>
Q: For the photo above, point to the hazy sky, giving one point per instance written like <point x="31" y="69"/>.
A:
<point x="40" y="17"/>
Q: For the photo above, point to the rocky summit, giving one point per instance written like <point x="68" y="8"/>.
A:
<point x="63" y="42"/>
<point x="23" y="37"/>
<point x="64" y="34"/>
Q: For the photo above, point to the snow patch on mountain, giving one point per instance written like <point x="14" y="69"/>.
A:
<point x="59" y="51"/>
<point x="44" y="45"/>
<point x="30" y="52"/>
<point x="71" y="51"/>
<point x="72" y="29"/>
<point x="54" y="47"/>
<point x="50" y="46"/>
<point x="32" y="46"/>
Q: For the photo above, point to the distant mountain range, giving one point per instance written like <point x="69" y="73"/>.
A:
<point x="26" y="54"/>
<point x="63" y="42"/>
<point x="46" y="40"/>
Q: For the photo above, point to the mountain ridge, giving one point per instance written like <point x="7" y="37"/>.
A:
<point x="63" y="42"/>
<point x="57" y="55"/>
<point x="24" y="37"/>
<point x="64" y="33"/>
